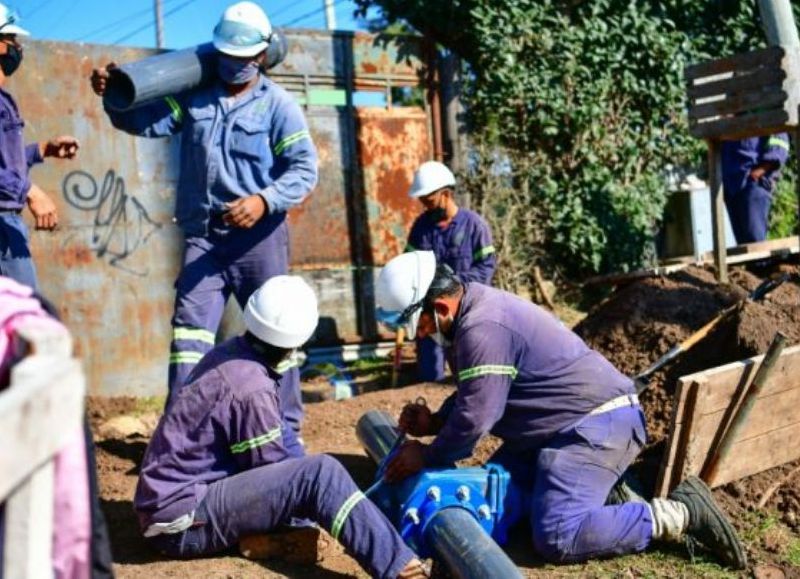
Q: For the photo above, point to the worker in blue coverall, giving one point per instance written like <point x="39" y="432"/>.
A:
<point x="570" y="422"/>
<point x="750" y="169"/>
<point x="246" y="158"/>
<point x="458" y="237"/>
<point x="16" y="159"/>
<point x="223" y="467"/>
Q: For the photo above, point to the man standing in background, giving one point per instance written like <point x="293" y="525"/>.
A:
<point x="458" y="237"/>
<point x="16" y="159"/>
<point x="750" y="170"/>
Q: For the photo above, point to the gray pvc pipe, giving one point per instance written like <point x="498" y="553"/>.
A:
<point x="377" y="431"/>
<point x="458" y="540"/>
<point x="778" y="22"/>
<point x="171" y="73"/>
<point x="463" y="546"/>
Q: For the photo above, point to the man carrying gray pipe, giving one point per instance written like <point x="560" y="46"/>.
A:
<point x="246" y="157"/>
<point x="570" y="422"/>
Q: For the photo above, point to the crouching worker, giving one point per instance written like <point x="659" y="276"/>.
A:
<point x="570" y="422"/>
<point x="223" y="465"/>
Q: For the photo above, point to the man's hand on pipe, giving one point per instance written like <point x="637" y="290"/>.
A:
<point x="407" y="461"/>
<point x="416" y="419"/>
<point x="99" y="78"/>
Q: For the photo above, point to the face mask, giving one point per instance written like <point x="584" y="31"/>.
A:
<point x="10" y="61"/>
<point x="437" y="214"/>
<point x="236" y="71"/>
<point x="439" y="337"/>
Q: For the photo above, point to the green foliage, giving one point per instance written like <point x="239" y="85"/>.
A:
<point x="783" y="213"/>
<point x="576" y="111"/>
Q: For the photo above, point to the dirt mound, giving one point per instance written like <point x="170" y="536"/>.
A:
<point x="640" y="322"/>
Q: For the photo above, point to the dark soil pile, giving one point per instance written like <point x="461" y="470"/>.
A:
<point x="641" y="321"/>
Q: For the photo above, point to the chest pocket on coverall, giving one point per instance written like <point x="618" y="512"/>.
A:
<point x="250" y="138"/>
<point x="458" y="254"/>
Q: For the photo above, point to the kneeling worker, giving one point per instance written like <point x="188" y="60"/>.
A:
<point x="223" y="464"/>
<point x="570" y="422"/>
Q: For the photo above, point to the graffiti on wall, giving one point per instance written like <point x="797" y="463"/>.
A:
<point x="121" y="224"/>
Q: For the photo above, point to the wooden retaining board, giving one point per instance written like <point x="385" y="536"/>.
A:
<point x="704" y="405"/>
<point x="751" y="94"/>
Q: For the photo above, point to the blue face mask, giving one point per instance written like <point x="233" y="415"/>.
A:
<point x="235" y="70"/>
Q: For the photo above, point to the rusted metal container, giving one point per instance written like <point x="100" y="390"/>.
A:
<point x="111" y="265"/>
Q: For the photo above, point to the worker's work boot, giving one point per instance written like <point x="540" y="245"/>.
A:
<point x="300" y="545"/>
<point x="700" y="518"/>
<point x="415" y="569"/>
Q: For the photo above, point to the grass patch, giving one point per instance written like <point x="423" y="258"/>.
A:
<point x="149" y="405"/>
<point x="793" y="553"/>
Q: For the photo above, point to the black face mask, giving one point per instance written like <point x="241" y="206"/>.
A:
<point x="10" y="61"/>
<point x="437" y="214"/>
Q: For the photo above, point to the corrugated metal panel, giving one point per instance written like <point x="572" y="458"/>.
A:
<point x="111" y="266"/>
<point x="388" y="170"/>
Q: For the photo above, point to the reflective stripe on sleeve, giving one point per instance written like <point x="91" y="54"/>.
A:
<point x="177" y="113"/>
<point x="291" y="140"/>
<point x="476" y="371"/>
<point x="483" y="252"/>
<point x="777" y="142"/>
<point x="261" y="440"/>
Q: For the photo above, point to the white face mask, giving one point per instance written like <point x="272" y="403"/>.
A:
<point x="438" y="336"/>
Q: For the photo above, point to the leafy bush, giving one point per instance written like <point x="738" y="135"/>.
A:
<point x="576" y="109"/>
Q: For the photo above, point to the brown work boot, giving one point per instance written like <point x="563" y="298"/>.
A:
<point x="300" y="545"/>
<point x="707" y="524"/>
<point x="415" y="569"/>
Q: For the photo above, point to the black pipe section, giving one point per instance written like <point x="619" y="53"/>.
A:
<point x="377" y="431"/>
<point x="170" y="73"/>
<point x="458" y="541"/>
<point x="462" y="545"/>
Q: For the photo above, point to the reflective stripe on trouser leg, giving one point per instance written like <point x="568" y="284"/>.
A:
<point x="316" y="487"/>
<point x="188" y="347"/>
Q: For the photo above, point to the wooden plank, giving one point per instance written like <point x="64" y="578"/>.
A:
<point x="769" y="413"/>
<point x="27" y="546"/>
<point x="772" y="55"/>
<point x="718" y="209"/>
<point x="769" y="98"/>
<point x="750" y="125"/>
<point x="739" y="84"/>
<point x="766" y="451"/>
<point x="774" y="422"/>
<point x="42" y="407"/>
<point x="723" y="380"/>
<point x="680" y="426"/>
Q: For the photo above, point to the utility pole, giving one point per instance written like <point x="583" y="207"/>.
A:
<point x="159" y="24"/>
<point x="330" y="15"/>
<point x="778" y="22"/>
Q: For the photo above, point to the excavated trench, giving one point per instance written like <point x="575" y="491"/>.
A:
<point x="643" y="320"/>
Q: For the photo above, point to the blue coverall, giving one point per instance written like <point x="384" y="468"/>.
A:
<point x="16" y="159"/>
<point x="223" y="463"/>
<point x="466" y="246"/>
<point x="570" y="423"/>
<point x="256" y="143"/>
<point x="748" y="200"/>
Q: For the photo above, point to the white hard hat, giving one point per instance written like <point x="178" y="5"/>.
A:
<point x="243" y="30"/>
<point x="8" y="20"/>
<point x="431" y="176"/>
<point x="401" y="286"/>
<point x="282" y="312"/>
